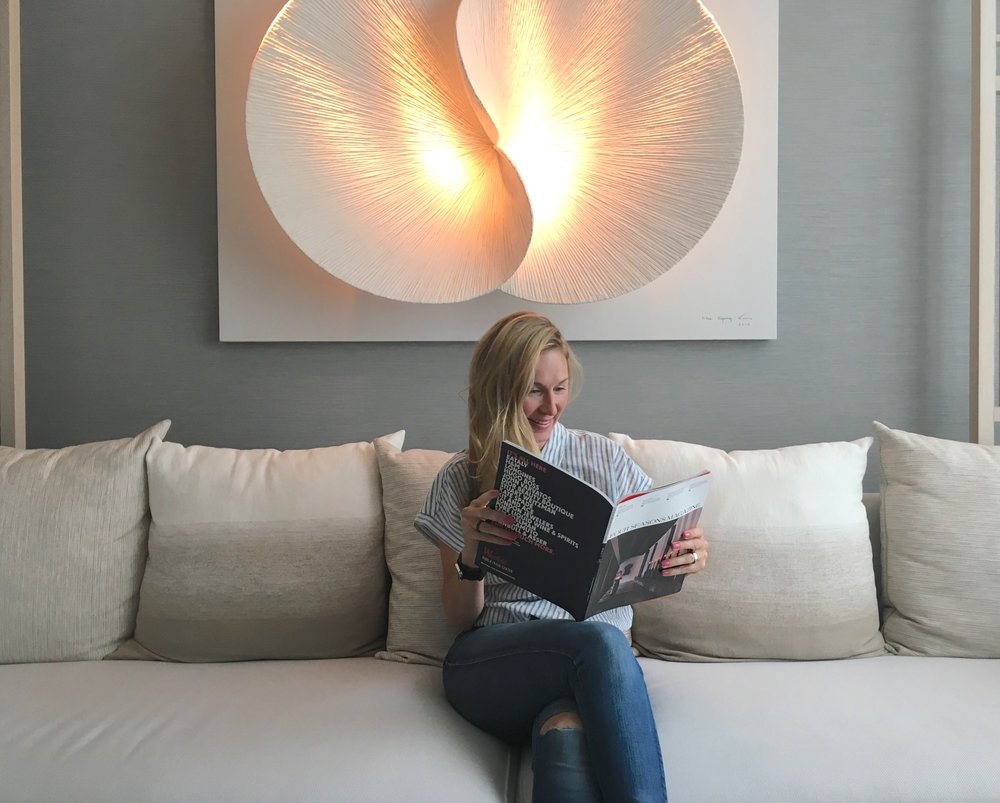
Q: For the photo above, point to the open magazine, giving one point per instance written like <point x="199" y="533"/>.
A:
<point x="579" y="549"/>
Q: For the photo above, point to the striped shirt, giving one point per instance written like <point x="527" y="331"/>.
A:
<point x="591" y="457"/>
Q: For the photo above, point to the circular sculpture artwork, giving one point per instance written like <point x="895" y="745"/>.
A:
<point x="433" y="151"/>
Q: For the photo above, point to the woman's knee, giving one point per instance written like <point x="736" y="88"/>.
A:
<point x="604" y="652"/>
<point x="564" y="720"/>
<point x="561" y="761"/>
<point x="606" y="640"/>
<point x="560" y="713"/>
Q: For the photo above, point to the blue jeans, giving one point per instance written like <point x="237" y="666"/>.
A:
<point x="508" y="679"/>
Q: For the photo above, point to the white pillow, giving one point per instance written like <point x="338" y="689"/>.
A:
<point x="262" y="554"/>
<point x="940" y="545"/>
<point x="73" y="527"/>
<point x="789" y="573"/>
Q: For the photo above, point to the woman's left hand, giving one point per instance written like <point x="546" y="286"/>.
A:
<point x="687" y="555"/>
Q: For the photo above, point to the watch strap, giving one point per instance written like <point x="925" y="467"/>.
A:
<point x="468" y="572"/>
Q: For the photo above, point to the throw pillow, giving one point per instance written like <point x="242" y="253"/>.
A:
<point x="790" y="569"/>
<point x="73" y="527"/>
<point x="940" y="545"/>
<point x="263" y="554"/>
<point x="418" y="630"/>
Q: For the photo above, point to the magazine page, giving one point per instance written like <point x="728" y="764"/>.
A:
<point x="561" y="521"/>
<point x="642" y="531"/>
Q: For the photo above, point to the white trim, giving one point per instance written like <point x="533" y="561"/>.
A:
<point x="982" y="348"/>
<point x="12" y="425"/>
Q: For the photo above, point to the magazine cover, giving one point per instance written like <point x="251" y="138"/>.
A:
<point x="577" y="548"/>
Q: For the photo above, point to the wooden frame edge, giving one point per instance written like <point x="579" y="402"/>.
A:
<point x="983" y="412"/>
<point x="12" y="410"/>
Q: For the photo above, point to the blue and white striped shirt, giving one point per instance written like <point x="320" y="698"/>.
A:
<point x="591" y="457"/>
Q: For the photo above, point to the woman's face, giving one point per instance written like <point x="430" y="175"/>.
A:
<point x="549" y="394"/>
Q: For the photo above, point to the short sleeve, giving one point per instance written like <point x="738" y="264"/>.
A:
<point x="439" y="520"/>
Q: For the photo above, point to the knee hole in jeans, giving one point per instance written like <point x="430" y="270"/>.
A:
<point x="564" y="720"/>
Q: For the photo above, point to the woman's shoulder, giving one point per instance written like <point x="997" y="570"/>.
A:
<point x="456" y="472"/>
<point x="456" y="464"/>
<point x="602" y="462"/>
<point x="450" y="487"/>
<point x="586" y="439"/>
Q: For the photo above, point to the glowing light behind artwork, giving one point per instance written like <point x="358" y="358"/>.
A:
<point x="372" y="159"/>
<point x="625" y="122"/>
<point x="562" y="151"/>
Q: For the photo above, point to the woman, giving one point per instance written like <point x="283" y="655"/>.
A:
<point x="522" y="666"/>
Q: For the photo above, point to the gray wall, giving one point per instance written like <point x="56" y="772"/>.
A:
<point x="120" y="239"/>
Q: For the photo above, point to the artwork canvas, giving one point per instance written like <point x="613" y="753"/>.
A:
<point x="724" y="287"/>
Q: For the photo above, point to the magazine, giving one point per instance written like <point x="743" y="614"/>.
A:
<point x="579" y="549"/>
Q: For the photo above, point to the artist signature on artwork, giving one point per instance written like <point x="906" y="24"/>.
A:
<point x="738" y="321"/>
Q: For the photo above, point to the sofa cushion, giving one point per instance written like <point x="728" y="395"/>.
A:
<point x="257" y="554"/>
<point x="940" y="545"/>
<point x="73" y="527"/>
<point x="814" y="732"/>
<point x="883" y="729"/>
<point x="790" y="573"/>
<point x="353" y="729"/>
<point x="418" y="630"/>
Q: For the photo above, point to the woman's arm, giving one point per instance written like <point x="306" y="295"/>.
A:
<point x="463" y="600"/>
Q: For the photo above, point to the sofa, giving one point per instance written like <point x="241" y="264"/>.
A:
<point x="188" y="623"/>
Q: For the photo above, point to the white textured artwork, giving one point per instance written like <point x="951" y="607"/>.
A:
<point x="412" y="170"/>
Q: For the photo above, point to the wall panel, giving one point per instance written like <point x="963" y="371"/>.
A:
<point x="122" y="296"/>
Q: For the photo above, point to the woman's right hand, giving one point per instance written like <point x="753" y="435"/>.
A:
<point x="483" y="523"/>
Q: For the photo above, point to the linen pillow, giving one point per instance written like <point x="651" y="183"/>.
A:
<point x="790" y="572"/>
<point x="940" y="545"/>
<point x="73" y="527"/>
<point x="262" y="554"/>
<point x="418" y="630"/>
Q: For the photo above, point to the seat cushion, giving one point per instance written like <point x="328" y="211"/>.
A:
<point x="878" y="729"/>
<point x="352" y="729"/>
<point x="889" y="728"/>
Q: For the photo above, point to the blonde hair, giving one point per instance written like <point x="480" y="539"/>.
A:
<point x="501" y="374"/>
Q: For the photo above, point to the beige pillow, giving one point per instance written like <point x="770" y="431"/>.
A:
<point x="790" y="569"/>
<point x="262" y="554"/>
<point x="418" y="630"/>
<point x="73" y="527"/>
<point x="940" y="545"/>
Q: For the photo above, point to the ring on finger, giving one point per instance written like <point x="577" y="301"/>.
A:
<point x="479" y="523"/>
<point x="694" y="555"/>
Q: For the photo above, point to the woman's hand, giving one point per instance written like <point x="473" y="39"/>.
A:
<point x="688" y="554"/>
<point x="463" y="600"/>
<point x="482" y="523"/>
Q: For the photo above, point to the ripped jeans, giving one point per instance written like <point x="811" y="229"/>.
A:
<point x="509" y="679"/>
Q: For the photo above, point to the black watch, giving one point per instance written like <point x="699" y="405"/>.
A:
<point x="467" y="572"/>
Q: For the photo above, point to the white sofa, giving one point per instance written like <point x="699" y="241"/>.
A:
<point x="303" y="609"/>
